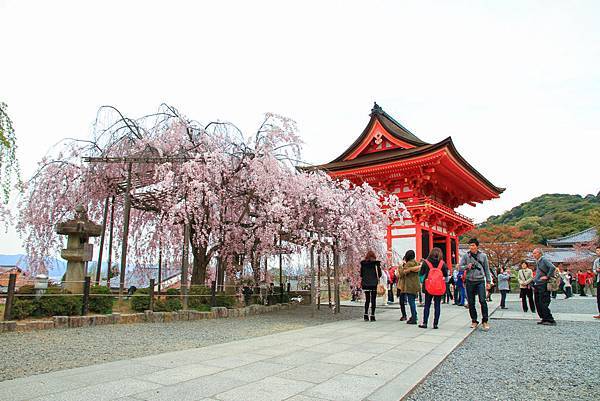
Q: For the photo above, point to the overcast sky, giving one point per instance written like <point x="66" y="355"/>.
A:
<point x="515" y="83"/>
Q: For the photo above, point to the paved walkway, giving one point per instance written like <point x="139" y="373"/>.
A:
<point x="346" y="360"/>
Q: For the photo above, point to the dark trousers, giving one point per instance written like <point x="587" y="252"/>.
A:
<point x="370" y="296"/>
<point x="542" y="303"/>
<point x="503" y="298"/>
<point x="391" y="293"/>
<point x="455" y="293"/>
<point x="598" y="298"/>
<point x="568" y="292"/>
<point x="402" y="301"/>
<point x="411" y="299"/>
<point x="527" y="294"/>
<point x="437" y="301"/>
<point x="477" y="288"/>
<point x="448" y="295"/>
<point x="582" y="290"/>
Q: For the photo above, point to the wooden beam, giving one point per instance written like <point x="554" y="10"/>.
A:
<point x="126" y="212"/>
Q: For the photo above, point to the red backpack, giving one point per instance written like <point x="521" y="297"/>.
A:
<point x="435" y="284"/>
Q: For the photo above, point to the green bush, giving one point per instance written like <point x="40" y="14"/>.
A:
<point x="140" y="300"/>
<point x="195" y="301"/>
<point x="22" y="308"/>
<point x="100" y="304"/>
<point x="225" y="300"/>
<point x="58" y="302"/>
<point x="168" y="305"/>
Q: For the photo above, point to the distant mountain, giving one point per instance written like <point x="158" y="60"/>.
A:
<point x="552" y="215"/>
<point x="57" y="269"/>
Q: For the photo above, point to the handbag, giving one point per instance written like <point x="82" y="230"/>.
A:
<point x="380" y="290"/>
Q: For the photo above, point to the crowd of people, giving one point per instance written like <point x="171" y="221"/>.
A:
<point x="470" y="284"/>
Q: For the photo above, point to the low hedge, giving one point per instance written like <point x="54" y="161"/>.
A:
<point x="100" y="304"/>
<point x="55" y="302"/>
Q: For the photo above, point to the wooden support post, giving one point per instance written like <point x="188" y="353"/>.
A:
<point x="99" y="266"/>
<point x="126" y="212"/>
<point x="328" y="280"/>
<point x="12" y="281"/>
<point x="213" y="293"/>
<point x="110" y="241"/>
<point x="430" y="242"/>
<point x="185" y="265"/>
<point x="159" y="267"/>
<point x="319" y="280"/>
<point x="280" y="273"/>
<point x="449" y="254"/>
<point x="419" y="242"/>
<point x="457" y="254"/>
<point x="336" y="276"/>
<point x="152" y="294"/>
<point x="313" y="292"/>
<point x="86" y="295"/>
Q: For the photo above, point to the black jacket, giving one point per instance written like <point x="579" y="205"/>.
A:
<point x="370" y="272"/>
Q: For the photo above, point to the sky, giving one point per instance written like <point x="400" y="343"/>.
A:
<point x="515" y="83"/>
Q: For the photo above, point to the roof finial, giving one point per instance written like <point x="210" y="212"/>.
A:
<point x="376" y="108"/>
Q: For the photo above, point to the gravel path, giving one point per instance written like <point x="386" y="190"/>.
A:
<point x="577" y="304"/>
<point x="556" y="363"/>
<point x="25" y="354"/>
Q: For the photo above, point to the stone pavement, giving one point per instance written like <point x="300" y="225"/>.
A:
<point x="344" y="360"/>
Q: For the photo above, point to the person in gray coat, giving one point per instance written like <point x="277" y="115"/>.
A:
<point x="543" y="272"/>
<point x="504" y="286"/>
<point x="475" y="265"/>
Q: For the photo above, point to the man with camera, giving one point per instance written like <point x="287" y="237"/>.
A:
<point x="475" y="265"/>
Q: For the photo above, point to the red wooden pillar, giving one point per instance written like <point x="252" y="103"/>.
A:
<point x="419" y="245"/>
<point x="448" y="253"/>
<point x="457" y="248"/>
<point x="430" y="240"/>
<point x="388" y="239"/>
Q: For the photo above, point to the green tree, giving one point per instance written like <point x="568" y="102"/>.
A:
<point x="9" y="166"/>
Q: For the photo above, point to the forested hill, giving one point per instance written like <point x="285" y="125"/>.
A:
<point x="552" y="215"/>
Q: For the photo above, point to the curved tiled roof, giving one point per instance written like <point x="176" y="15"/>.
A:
<point x="584" y="236"/>
<point x="392" y="126"/>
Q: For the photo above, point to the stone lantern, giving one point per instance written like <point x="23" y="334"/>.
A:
<point x="78" y="251"/>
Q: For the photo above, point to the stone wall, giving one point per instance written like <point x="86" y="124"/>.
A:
<point x="63" y="322"/>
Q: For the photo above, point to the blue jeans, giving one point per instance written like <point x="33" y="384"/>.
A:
<point x="413" y="306"/>
<point x="437" y="300"/>
<point x="462" y="296"/>
<point x="477" y="288"/>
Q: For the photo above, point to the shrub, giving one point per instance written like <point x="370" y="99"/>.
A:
<point x="140" y="300"/>
<point x="22" y="308"/>
<point x="195" y="301"/>
<point x="100" y="304"/>
<point x="226" y="300"/>
<point x="58" y="302"/>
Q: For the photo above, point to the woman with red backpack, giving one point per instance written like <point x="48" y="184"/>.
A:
<point x="434" y="272"/>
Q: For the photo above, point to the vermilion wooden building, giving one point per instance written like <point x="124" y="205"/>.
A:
<point x="431" y="179"/>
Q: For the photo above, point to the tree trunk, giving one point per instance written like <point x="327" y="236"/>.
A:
<point x="199" y="265"/>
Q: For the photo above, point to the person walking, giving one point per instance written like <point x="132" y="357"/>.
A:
<point x="503" y="286"/>
<point x="543" y="273"/>
<point x="409" y="286"/>
<point x="596" y="268"/>
<point x="460" y="285"/>
<point x="589" y="281"/>
<point x="449" y="284"/>
<point x="434" y="272"/>
<point x="392" y="280"/>
<point x="525" y="277"/>
<point x="370" y="273"/>
<point x="475" y="265"/>
<point x="581" y="277"/>
<point x="565" y="278"/>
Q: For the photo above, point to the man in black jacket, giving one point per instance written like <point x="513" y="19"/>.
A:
<point x="541" y="295"/>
